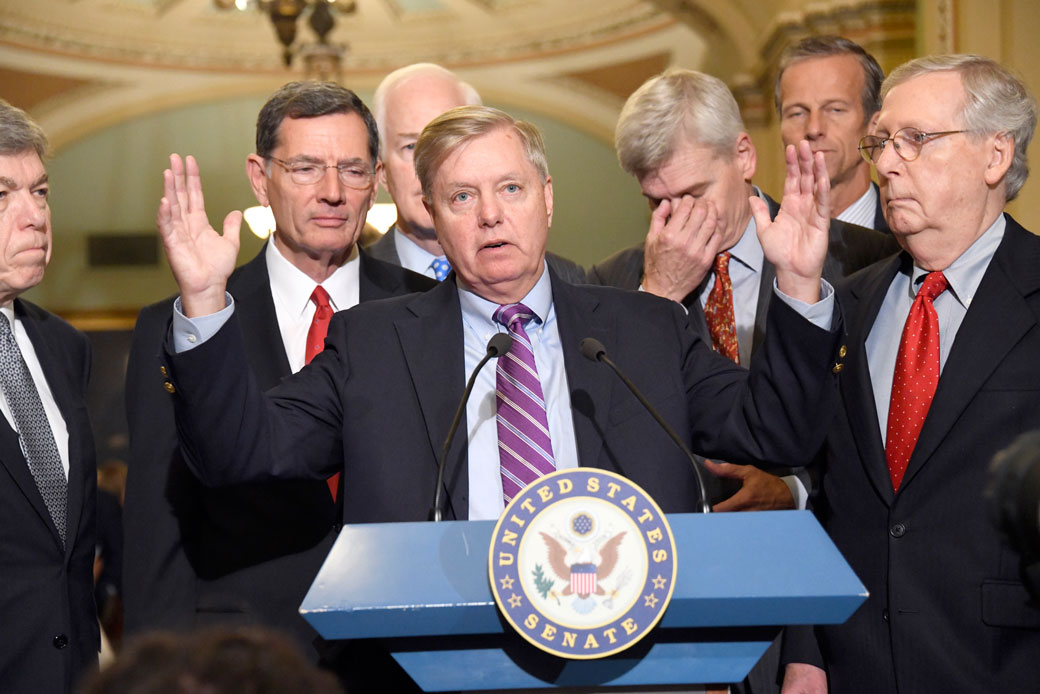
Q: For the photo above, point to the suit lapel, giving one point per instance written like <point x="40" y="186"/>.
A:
<point x="765" y="287"/>
<point x="578" y="316"/>
<point x="73" y="411"/>
<point x="857" y="393"/>
<point x="1000" y="313"/>
<point x="432" y="342"/>
<point x="373" y="283"/>
<point x="251" y="287"/>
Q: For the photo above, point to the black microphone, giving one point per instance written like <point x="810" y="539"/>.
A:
<point x="593" y="349"/>
<point x="498" y="345"/>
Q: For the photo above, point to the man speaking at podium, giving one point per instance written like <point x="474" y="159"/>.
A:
<point x="378" y="402"/>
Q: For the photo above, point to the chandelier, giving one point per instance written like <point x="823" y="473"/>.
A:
<point x="321" y="59"/>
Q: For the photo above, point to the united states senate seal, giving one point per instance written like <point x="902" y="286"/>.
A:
<point x="582" y="563"/>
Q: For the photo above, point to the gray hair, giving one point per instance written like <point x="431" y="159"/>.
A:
<point x="678" y="101"/>
<point x="827" y="46"/>
<point x="469" y="95"/>
<point x="995" y="102"/>
<point x="18" y="132"/>
<point x="451" y="130"/>
<point x="310" y="100"/>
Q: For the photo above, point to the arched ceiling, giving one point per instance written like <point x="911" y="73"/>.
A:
<point x="81" y="65"/>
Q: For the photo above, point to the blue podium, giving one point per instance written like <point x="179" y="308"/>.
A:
<point x="423" y="587"/>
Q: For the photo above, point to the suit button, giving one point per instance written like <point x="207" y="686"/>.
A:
<point x="60" y="641"/>
<point x="838" y="367"/>
<point x="169" y="387"/>
<point x="162" y="370"/>
<point x="842" y="352"/>
<point x="884" y="614"/>
<point x="897" y="530"/>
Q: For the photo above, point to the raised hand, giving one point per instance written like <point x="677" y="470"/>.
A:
<point x="200" y="258"/>
<point x="682" y="243"/>
<point x="796" y="241"/>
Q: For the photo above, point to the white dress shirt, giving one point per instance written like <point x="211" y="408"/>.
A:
<point x="291" y="290"/>
<point x="863" y="210"/>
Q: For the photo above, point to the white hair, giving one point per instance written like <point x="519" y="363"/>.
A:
<point x="470" y="96"/>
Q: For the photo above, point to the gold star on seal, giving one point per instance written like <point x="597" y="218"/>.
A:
<point x="650" y="600"/>
<point x="660" y="582"/>
<point x="507" y="582"/>
<point x="515" y="600"/>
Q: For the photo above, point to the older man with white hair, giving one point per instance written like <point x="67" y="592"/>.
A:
<point x="405" y="102"/>
<point x="941" y="372"/>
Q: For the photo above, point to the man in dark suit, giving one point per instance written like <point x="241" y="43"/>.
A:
<point x="827" y="91"/>
<point x="48" y="478"/>
<point x="485" y="181"/>
<point x="681" y="135"/>
<point x="248" y="553"/>
<point x="941" y="373"/>
<point x="405" y="101"/>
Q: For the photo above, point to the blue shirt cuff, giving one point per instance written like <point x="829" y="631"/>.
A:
<point x="189" y="333"/>
<point x="820" y="314"/>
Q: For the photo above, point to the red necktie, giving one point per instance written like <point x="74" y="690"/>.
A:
<point x="915" y="378"/>
<point x="719" y="311"/>
<point x="316" y="343"/>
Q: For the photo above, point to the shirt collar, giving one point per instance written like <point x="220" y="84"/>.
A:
<point x="478" y="311"/>
<point x="294" y="288"/>
<point x="964" y="275"/>
<point x="748" y="250"/>
<point x="862" y="211"/>
<point x="410" y="253"/>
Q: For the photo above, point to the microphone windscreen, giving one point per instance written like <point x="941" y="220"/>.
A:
<point x="593" y="349"/>
<point x="499" y="344"/>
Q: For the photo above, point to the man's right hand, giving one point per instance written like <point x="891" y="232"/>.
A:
<point x="681" y="246"/>
<point x="200" y="258"/>
<point x="802" y="678"/>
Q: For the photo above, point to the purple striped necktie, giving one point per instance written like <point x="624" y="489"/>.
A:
<point x="524" y="448"/>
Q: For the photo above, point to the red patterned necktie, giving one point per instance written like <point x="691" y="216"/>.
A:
<point x="524" y="448"/>
<point x="719" y="311"/>
<point x="915" y="378"/>
<point x="316" y="343"/>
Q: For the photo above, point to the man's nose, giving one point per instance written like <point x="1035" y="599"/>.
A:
<point x="30" y="212"/>
<point x="490" y="211"/>
<point x="330" y="188"/>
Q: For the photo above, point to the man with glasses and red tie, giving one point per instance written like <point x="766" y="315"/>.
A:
<point x="940" y="373"/>
<point x="248" y="553"/>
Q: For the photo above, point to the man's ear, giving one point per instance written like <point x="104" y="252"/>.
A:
<point x="378" y="176"/>
<point x="549" y="198"/>
<point x="381" y="175"/>
<point x="1001" y="154"/>
<point x="256" y="170"/>
<point x="746" y="156"/>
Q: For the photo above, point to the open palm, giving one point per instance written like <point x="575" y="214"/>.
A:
<point x="201" y="259"/>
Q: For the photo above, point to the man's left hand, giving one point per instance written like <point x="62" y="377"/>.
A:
<point x="759" y="491"/>
<point x="796" y="241"/>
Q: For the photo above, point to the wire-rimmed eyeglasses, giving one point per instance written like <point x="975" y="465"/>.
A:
<point x="906" y="141"/>
<point x="307" y="173"/>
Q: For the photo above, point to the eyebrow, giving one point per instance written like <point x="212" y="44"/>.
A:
<point x="308" y="159"/>
<point x="11" y="183"/>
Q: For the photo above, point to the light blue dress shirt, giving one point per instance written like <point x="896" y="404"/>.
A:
<point x="485" y="482"/>
<point x="413" y="256"/>
<point x="963" y="277"/>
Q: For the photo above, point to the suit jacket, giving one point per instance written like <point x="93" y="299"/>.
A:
<point x="879" y="216"/>
<point x="48" y="623"/>
<point x="851" y="247"/>
<point x="386" y="249"/>
<point x="245" y="553"/>
<point x="947" y="611"/>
